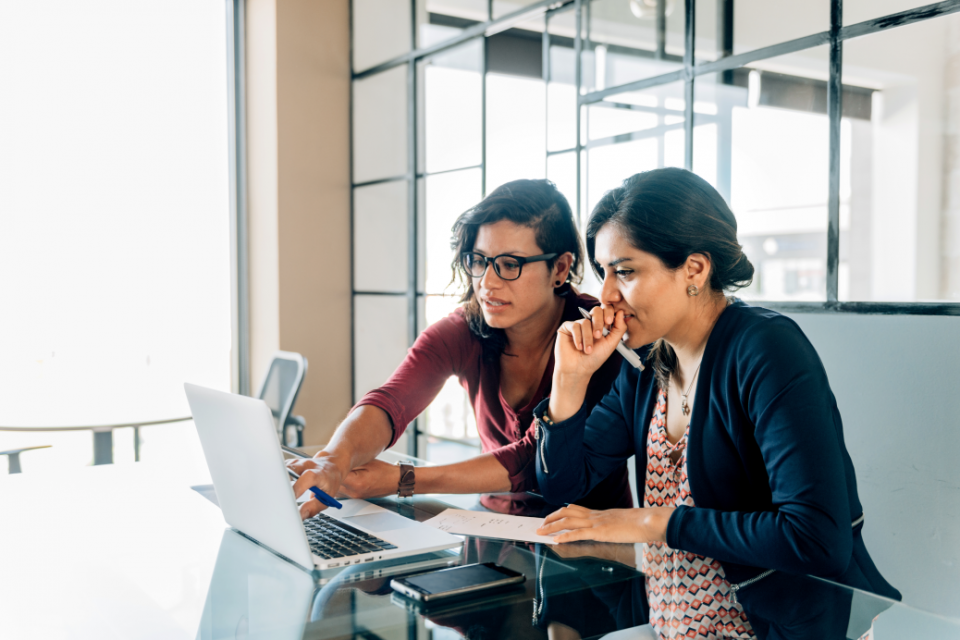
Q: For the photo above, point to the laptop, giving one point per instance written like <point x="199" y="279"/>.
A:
<point x="243" y="453"/>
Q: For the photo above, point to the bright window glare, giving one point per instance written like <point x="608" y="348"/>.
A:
<point x="114" y="213"/>
<point x="516" y="129"/>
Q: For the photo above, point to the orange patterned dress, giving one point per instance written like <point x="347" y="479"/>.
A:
<point x="688" y="594"/>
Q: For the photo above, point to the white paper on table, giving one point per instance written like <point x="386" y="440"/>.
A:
<point x="489" y="525"/>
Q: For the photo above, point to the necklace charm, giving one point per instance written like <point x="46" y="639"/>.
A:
<point x="684" y="407"/>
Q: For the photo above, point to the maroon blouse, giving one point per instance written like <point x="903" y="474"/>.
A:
<point x="448" y="348"/>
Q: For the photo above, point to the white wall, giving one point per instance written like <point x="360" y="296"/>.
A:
<point x="263" y="186"/>
<point x="895" y="379"/>
<point x="298" y="99"/>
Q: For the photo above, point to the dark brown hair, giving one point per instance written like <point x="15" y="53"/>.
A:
<point x="673" y="213"/>
<point x="531" y="203"/>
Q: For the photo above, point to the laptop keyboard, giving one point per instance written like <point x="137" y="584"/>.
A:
<point x="329" y="538"/>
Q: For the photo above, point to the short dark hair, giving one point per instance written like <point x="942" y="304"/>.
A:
<point x="673" y="213"/>
<point x="537" y="204"/>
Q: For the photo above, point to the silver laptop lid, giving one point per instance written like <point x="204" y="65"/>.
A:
<point x="246" y="465"/>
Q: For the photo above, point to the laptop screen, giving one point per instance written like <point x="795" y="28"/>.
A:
<point x="279" y="385"/>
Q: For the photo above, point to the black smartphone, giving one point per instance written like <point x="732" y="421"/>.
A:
<point x="456" y="582"/>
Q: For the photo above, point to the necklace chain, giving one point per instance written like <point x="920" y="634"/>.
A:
<point x="684" y="406"/>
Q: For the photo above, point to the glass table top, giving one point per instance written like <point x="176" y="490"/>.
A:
<point x="131" y="551"/>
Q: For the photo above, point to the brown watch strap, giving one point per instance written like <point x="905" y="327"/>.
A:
<point x="407" y="480"/>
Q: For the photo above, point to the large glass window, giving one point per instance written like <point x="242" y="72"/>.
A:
<point x="842" y="178"/>
<point x="114" y="221"/>
<point x="762" y="138"/>
<point x="900" y="192"/>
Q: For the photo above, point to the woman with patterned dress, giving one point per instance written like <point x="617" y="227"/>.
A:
<point x="743" y="473"/>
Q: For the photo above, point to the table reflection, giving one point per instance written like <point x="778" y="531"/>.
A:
<point x="782" y="606"/>
<point x="573" y="591"/>
<point x="255" y="593"/>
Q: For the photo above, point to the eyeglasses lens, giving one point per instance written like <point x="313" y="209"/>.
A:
<point x="507" y="268"/>
<point x="474" y="264"/>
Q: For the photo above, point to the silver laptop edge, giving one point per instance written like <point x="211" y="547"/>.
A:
<point x="246" y="465"/>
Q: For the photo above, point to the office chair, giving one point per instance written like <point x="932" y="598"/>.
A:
<point x="13" y="456"/>
<point x="279" y="390"/>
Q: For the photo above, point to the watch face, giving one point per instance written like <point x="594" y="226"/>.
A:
<point x="407" y="481"/>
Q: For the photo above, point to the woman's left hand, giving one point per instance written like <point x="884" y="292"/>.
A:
<point x="648" y="524"/>
<point x="372" y="480"/>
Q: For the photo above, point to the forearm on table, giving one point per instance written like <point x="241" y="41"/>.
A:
<point x="360" y="438"/>
<point x="482" y="474"/>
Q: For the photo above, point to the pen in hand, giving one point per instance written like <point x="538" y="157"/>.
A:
<point x="322" y="496"/>
<point x="628" y="354"/>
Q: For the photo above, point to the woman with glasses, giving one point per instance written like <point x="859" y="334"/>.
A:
<point x="516" y="254"/>
<point x="733" y="424"/>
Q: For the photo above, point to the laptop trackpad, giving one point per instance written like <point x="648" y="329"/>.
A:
<point x="384" y="521"/>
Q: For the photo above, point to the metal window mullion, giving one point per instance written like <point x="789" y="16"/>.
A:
<point x="412" y="212"/>
<point x="483" y="115"/>
<point x="639" y="85"/>
<point x="834" y="98"/>
<point x="376" y="181"/>
<point x="724" y="161"/>
<point x="900" y="19"/>
<point x="644" y="134"/>
<point x="578" y="81"/>
<point x="661" y="51"/>
<point x="689" y="32"/>
<point x="545" y="54"/>
<point x="353" y="283"/>
<point x="240" y="253"/>
<point x="951" y="309"/>
<point x="445" y="171"/>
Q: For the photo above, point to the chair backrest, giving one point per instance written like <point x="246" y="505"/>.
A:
<point x="282" y="384"/>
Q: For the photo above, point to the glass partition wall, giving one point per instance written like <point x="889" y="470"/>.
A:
<point x="831" y="129"/>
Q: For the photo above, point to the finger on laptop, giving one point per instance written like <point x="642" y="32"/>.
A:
<point x="309" y="478"/>
<point x="299" y="465"/>
<point x="311" y="508"/>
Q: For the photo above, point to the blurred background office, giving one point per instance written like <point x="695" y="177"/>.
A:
<point x="188" y="186"/>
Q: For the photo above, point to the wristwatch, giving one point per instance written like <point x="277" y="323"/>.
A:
<point x="407" y="480"/>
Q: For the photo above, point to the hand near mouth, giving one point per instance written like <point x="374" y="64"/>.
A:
<point x="580" y="350"/>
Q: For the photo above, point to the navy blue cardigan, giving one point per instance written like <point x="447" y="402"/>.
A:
<point x="770" y="475"/>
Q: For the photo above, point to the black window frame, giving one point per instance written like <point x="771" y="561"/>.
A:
<point x="834" y="38"/>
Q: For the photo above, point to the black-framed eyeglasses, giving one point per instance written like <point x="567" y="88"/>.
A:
<point x="508" y="267"/>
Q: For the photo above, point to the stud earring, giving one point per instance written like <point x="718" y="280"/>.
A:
<point x="693" y="290"/>
<point x="558" y="283"/>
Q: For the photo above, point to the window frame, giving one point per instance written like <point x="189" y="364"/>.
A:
<point x="833" y="37"/>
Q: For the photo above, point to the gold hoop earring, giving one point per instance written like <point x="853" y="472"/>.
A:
<point x="693" y="290"/>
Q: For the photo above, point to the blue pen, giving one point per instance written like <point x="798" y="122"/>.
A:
<point x="322" y="496"/>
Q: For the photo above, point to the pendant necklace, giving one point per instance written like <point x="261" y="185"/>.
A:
<point x="684" y="407"/>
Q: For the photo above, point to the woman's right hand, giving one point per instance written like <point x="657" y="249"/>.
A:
<point x="321" y="472"/>
<point x="580" y="350"/>
<point x="581" y="347"/>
